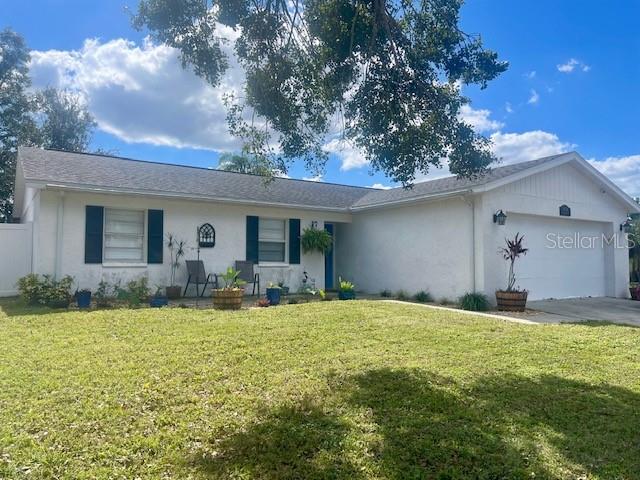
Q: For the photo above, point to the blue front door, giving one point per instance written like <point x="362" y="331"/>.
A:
<point x="328" y="260"/>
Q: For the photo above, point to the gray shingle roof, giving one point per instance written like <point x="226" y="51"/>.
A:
<point x="52" y="166"/>
<point x="107" y="172"/>
<point x="447" y="184"/>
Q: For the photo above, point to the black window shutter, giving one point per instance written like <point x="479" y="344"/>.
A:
<point x="155" y="239"/>
<point x="94" y="219"/>
<point x="294" y="241"/>
<point x="252" y="239"/>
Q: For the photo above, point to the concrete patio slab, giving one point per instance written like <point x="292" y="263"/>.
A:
<point x="600" y="309"/>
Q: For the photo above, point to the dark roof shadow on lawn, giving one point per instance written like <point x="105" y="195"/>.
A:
<point x="599" y="323"/>
<point x="15" y="307"/>
<point x="414" y="424"/>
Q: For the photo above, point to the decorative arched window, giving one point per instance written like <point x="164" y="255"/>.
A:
<point x="206" y="236"/>
<point x="565" y="211"/>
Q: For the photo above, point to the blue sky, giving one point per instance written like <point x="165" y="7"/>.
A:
<point x="573" y="83"/>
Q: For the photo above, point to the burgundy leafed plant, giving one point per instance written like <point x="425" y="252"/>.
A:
<point x="511" y="252"/>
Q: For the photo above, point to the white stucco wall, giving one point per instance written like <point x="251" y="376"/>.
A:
<point x="427" y="246"/>
<point x="532" y="208"/>
<point x="180" y="218"/>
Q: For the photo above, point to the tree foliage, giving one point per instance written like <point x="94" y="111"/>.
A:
<point x="64" y="121"/>
<point x="388" y="72"/>
<point x="16" y="125"/>
<point x="242" y="163"/>
<point x="49" y="118"/>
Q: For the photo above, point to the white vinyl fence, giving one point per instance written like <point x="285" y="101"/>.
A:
<point x="15" y="255"/>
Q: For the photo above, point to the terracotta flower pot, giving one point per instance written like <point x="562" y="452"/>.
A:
<point x="511" y="301"/>
<point x="173" y="292"/>
<point x="227" y="299"/>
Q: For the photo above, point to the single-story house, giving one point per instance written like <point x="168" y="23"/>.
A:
<point x="101" y="217"/>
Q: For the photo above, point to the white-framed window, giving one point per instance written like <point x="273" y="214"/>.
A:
<point x="272" y="240"/>
<point x="123" y="236"/>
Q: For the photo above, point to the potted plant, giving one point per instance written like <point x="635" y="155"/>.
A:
<point x="83" y="298"/>
<point x="512" y="299"/>
<point x="316" y="240"/>
<point x="634" y="290"/>
<point x="273" y="294"/>
<point x="176" y="249"/>
<point x="284" y="289"/>
<point x="346" y="290"/>
<point x="158" y="300"/>
<point x="229" y="297"/>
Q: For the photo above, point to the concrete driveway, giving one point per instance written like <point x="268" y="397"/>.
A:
<point x="603" y="309"/>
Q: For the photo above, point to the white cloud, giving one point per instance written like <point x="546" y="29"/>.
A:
<point x="534" y="98"/>
<point x="317" y="178"/>
<point x="624" y="171"/>
<point x="520" y="147"/>
<point x="141" y="93"/>
<point x="571" y="64"/>
<point x="508" y="107"/>
<point x="530" y="75"/>
<point x="380" y="186"/>
<point x="479" y="119"/>
<point x="350" y="156"/>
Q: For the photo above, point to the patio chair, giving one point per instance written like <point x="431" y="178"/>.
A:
<point x="197" y="276"/>
<point x="248" y="275"/>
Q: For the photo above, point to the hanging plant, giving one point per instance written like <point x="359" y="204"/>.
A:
<point x="316" y="240"/>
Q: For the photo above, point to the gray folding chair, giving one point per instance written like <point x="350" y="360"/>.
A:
<point x="248" y="274"/>
<point x="197" y="276"/>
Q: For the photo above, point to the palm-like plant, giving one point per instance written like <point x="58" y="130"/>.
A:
<point x="512" y="251"/>
<point x="177" y="249"/>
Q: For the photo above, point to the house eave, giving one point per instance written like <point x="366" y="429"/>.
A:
<point x="180" y="196"/>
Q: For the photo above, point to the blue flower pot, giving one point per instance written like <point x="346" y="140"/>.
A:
<point x="346" y="295"/>
<point x="273" y="295"/>
<point x="159" y="301"/>
<point x="83" y="299"/>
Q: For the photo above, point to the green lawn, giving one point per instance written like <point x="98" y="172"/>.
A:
<point x="321" y="390"/>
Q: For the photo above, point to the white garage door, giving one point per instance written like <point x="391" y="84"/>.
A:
<point x="566" y="258"/>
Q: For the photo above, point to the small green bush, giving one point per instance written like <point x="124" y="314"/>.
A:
<point x="402" y="295"/>
<point x="476" y="302"/>
<point x="135" y="293"/>
<point x="45" y="290"/>
<point x="30" y="289"/>
<point x="104" y="295"/>
<point x="385" y="293"/>
<point x="423" y="297"/>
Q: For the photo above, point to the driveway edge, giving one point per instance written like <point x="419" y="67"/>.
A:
<point x="467" y="312"/>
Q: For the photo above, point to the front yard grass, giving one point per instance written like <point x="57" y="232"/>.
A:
<point x="324" y="390"/>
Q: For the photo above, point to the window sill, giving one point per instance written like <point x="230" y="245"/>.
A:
<point x="124" y="265"/>
<point x="272" y="264"/>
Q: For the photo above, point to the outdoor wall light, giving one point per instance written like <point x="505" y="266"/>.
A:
<point x="626" y="226"/>
<point x="499" y="217"/>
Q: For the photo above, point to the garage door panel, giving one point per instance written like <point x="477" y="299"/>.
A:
<point x="566" y="257"/>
